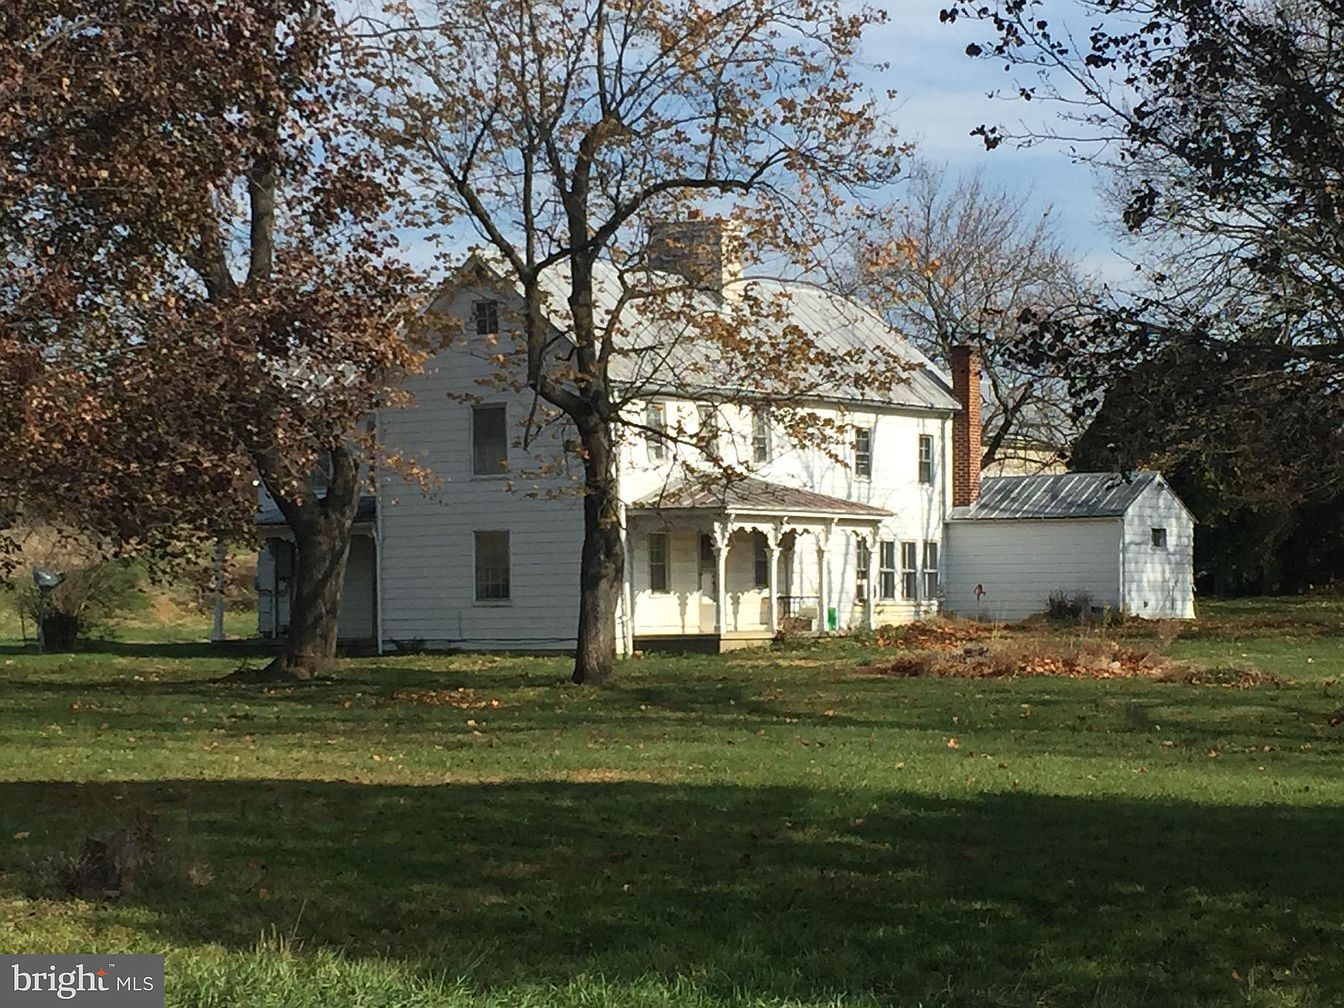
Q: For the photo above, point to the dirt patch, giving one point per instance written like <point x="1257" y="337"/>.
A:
<point x="605" y="775"/>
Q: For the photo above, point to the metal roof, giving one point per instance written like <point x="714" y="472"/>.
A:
<point x="1067" y="495"/>
<point x="755" y="496"/>
<point x="656" y="349"/>
<point x="365" y="511"/>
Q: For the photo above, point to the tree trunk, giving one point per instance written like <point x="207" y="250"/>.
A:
<point x="603" y="563"/>
<point x="322" y="528"/>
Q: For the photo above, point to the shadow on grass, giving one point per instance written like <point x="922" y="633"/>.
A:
<point x="165" y="650"/>
<point x="767" y="892"/>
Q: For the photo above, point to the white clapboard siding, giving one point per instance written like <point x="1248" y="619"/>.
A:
<point x="1020" y="562"/>
<point x="1158" y="580"/>
<point x="428" y="536"/>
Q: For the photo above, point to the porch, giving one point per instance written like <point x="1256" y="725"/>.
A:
<point x="713" y="570"/>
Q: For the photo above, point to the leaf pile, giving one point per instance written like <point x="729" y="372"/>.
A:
<point x="943" y="635"/>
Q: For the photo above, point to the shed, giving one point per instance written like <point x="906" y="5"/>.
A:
<point x="1124" y="539"/>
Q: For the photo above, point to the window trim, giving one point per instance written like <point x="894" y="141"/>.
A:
<point x="665" y="562"/>
<point x="863" y="457"/>
<point x="886" y="570"/>
<point x="909" y="570"/>
<point x="503" y="473"/>
<point x="923" y="463"/>
<point x="930" y="592"/>
<point x="504" y="600"/>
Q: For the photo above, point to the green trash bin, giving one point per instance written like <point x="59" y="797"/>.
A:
<point x="832" y="618"/>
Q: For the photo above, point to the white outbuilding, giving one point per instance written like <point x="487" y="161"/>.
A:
<point x="1123" y="539"/>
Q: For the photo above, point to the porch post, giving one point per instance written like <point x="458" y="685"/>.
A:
<point x="772" y="549"/>
<point x="823" y="579"/>
<point x="722" y="533"/>
<point x="873" y="548"/>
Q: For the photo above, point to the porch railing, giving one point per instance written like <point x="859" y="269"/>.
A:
<point x="799" y="605"/>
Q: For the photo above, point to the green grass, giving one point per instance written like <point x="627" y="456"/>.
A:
<point x="769" y="828"/>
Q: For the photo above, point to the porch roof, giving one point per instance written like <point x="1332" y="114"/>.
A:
<point x="755" y="496"/>
<point x="365" y="511"/>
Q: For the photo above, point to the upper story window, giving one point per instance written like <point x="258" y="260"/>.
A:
<point x="655" y="422"/>
<point x="485" y="315"/>
<point x="709" y="429"/>
<point x="492" y="567"/>
<point x="489" y="441"/>
<point x="925" y="458"/>
<point x="863" y="453"/>
<point x="1159" y="537"/>
<point x="760" y="435"/>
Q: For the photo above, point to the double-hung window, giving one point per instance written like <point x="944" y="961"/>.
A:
<point x="863" y="453"/>
<point x="760" y="435"/>
<point x="485" y="316"/>
<point x="925" y="458"/>
<point x="863" y="559"/>
<point x="657" y="561"/>
<point x="930" y="569"/>
<point x="492" y="567"/>
<point x="886" y="569"/>
<point x="489" y="441"/>
<point x="709" y="429"/>
<point x="909" y="572"/>
<point x="655" y="423"/>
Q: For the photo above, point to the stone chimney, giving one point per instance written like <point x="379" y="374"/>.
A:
<point x="707" y="252"/>
<point x="966" y="425"/>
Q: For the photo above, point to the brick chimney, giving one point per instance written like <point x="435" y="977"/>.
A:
<point x="966" y="425"/>
<point x="707" y="251"/>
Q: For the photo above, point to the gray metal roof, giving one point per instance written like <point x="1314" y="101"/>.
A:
<point x="1066" y="495"/>
<point x="754" y="496"/>
<point x="657" y="351"/>
<point x="365" y="511"/>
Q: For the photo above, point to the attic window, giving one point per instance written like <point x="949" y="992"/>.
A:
<point x="1160" y="537"/>
<point x="486" y="316"/>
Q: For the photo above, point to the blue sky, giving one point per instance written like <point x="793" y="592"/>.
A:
<point x="942" y="96"/>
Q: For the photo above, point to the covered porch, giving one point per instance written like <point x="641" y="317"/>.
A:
<point x="713" y="569"/>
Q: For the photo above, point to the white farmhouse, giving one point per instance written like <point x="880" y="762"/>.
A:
<point x="846" y="534"/>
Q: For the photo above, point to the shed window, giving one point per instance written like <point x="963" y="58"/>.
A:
<point x="658" y="561"/>
<point x="760" y="436"/>
<point x="925" y="458"/>
<point x="886" y="568"/>
<point x="1160" y="537"/>
<point x="930" y="569"/>
<point x="492" y="567"/>
<point x="761" y="560"/>
<point x="489" y="441"/>
<point x="655" y="422"/>
<point x="909" y="575"/>
<point x="485" y="314"/>
<point x="863" y="453"/>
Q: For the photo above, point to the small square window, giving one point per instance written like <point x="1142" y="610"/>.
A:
<point x="1160" y="537"/>
<point x="863" y="453"/>
<point x="486" y="316"/>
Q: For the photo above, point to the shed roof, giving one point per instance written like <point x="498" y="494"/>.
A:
<point x="1065" y="495"/>
<point x="756" y="496"/>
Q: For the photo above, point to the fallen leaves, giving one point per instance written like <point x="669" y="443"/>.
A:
<point x="462" y="698"/>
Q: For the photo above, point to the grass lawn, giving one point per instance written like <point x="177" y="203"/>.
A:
<point x="769" y="828"/>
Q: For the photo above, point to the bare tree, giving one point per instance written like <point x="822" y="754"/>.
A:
<point x="959" y="261"/>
